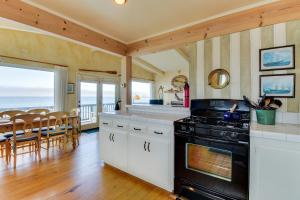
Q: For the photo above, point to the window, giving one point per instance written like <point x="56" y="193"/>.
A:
<point x="26" y="88"/>
<point x="141" y="92"/>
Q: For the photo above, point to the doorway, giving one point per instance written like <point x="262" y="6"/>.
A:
<point x="95" y="96"/>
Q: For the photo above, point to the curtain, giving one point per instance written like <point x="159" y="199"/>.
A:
<point x="60" y="89"/>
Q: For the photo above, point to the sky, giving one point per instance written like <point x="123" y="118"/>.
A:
<point x="25" y="82"/>
<point x="29" y="82"/>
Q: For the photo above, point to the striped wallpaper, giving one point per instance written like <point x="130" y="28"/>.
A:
<point x="238" y="53"/>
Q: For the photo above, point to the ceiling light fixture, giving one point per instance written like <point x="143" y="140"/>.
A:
<point x="120" y="2"/>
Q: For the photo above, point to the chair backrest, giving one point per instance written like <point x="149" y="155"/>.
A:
<point x="75" y="112"/>
<point x="11" y="113"/>
<point x="26" y="123"/>
<point x="42" y="111"/>
<point x="58" y="121"/>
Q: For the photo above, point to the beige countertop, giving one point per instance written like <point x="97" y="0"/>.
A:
<point x="284" y="132"/>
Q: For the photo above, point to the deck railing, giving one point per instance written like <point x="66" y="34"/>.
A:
<point x="89" y="111"/>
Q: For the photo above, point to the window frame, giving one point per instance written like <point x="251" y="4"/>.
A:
<point x="20" y="66"/>
<point x="143" y="81"/>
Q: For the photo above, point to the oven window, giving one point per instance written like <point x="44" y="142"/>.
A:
<point x="210" y="161"/>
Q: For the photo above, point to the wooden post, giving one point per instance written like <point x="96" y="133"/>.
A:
<point x="126" y="79"/>
<point x="192" y="70"/>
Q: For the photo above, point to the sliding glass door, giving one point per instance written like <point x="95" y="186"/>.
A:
<point x="88" y="103"/>
<point x="108" y="97"/>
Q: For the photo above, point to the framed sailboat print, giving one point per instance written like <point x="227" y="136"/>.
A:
<point x="278" y="85"/>
<point x="277" y="58"/>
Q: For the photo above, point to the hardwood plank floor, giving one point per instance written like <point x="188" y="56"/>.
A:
<point x="77" y="174"/>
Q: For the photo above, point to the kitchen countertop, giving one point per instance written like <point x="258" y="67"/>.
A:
<point x="158" y="109"/>
<point x="160" y="118"/>
<point x="283" y="132"/>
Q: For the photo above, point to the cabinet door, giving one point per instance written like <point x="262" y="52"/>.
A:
<point x="119" y="150"/>
<point x="136" y="155"/>
<point x="158" y="162"/>
<point x="106" y="146"/>
<point x="149" y="160"/>
<point x="275" y="170"/>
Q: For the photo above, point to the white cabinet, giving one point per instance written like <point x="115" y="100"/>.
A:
<point x="149" y="160"/>
<point x="140" y="147"/>
<point x="119" y="149"/>
<point x="113" y="146"/>
<point x="274" y="170"/>
<point x="105" y="145"/>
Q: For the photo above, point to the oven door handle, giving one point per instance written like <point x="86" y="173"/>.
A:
<point x="224" y="142"/>
<point x="220" y="151"/>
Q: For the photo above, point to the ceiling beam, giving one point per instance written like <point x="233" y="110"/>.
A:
<point x="26" y="14"/>
<point x="278" y="12"/>
<point x="183" y="54"/>
<point x="148" y="66"/>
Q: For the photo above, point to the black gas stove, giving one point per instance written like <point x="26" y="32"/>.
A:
<point x="218" y="128"/>
<point x="212" y="150"/>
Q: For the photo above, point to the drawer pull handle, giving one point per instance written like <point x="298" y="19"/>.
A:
<point x="145" y="146"/>
<point x="113" y="137"/>
<point x="104" y="123"/>
<point x="137" y="129"/>
<point x="158" y="133"/>
<point x="120" y="126"/>
<point x="149" y="147"/>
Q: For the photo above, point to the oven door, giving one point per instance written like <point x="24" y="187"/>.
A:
<point x="213" y="166"/>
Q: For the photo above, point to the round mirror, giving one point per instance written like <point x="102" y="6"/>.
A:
<point x="218" y="78"/>
<point x="179" y="81"/>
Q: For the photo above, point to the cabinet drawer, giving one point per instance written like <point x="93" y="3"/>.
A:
<point x="137" y="128"/>
<point x="159" y="130"/>
<point x="106" y="123"/>
<point x="121" y="125"/>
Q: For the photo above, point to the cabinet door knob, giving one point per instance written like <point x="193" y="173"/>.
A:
<point x="149" y="147"/>
<point x="145" y="146"/>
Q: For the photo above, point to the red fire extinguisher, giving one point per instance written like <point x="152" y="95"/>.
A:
<point x="186" y="95"/>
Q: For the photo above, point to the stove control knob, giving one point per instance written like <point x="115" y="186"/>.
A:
<point x="233" y="135"/>
<point x="223" y="133"/>
<point x="192" y="129"/>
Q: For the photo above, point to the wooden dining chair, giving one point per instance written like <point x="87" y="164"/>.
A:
<point x="42" y="111"/>
<point x="4" y="145"/>
<point x="11" y="113"/>
<point x="76" y="129"/>
<point x="57" y="128"/>
<point x="26" y="123"/>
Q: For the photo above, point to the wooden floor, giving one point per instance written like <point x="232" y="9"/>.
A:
<point x="77" y="174"/>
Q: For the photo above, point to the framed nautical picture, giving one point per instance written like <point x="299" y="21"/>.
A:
<point x="71" y="88"/>
<point x="277" y="58"/>
<point x="278" y="85"/>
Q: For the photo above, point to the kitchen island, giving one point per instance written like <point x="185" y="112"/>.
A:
<point x="140" y="142"/>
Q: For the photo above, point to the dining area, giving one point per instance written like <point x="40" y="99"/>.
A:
<point x="36" y="131"/>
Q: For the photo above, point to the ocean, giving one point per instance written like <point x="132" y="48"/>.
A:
<point x="19" y="102"/>
<point x="35" y="102"/>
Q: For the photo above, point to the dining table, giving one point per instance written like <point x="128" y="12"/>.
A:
<point x="6" y="125"/>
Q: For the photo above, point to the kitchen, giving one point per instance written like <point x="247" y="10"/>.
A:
<point x="256" y="154"/>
